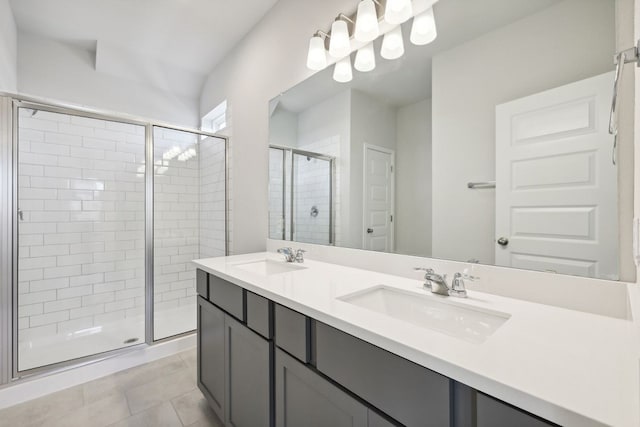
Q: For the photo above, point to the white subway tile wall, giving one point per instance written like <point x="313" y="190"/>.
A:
<point x="81" y="236"/>
<point x="189" y="218"/>
<point x="81" y="233"/>
<point x="311" y="199"/>
<point x="276" y="194"/>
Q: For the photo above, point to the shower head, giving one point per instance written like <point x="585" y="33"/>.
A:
<point x="34" y="112"/>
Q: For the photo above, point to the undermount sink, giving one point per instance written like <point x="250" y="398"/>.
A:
<point x="268" y="267"/>
<point x="431" y="312"/>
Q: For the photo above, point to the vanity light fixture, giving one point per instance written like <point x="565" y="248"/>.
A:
<point x="339" y="44"/>
<point x="365" y="58"/>
<point x="397" y="11"/>
<point x="364" y="27"/>
<point x="342" y="72"/>
<point x="423" y="30"/>
<point x="367" y="28"/>
<point x="317" y="56"/>
<point x="392" y="44"/>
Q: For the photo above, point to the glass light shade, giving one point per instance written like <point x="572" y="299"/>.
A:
<point x="392" y="44"/>
<point x="317" y="56"/>
<point x="342" y="72"/>
<point x="365" y="59"/>
<point x="367" y="28"/>
<point x="423" y="30"/>
<point x="397" y="11"/>
<point x="339" y="44"/>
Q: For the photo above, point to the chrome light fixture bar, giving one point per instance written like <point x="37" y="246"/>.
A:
<point x="372" y="19"/>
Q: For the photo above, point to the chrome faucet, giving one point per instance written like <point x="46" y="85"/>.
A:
<point x="437" y="283"/>
<point x="289" y="256"/>
<point x="300" y="255"/>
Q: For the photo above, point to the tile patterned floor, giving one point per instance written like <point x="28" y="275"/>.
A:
<point x="158" y="394"/>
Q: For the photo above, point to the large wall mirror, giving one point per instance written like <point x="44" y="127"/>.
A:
<point x="489" y="145"/>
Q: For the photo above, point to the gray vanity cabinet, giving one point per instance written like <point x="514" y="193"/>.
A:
<point x="407" y="392"/>
<point x="234" y="368"/>
<point x="248" y="379"/>
<point x="304" y="398"/>
<point x="211" y="355"/>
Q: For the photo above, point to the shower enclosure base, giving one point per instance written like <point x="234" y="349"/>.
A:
<point x="51" y="349"/>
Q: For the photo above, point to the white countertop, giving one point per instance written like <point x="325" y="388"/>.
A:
<point x="570" y="367"/>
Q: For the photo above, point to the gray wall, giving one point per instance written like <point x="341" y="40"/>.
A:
<point x="268" y="61"/>
<point x="413" y="179"/>
<point x="50" y="69"/>
<point x="471" y="79"/>
<point x="8" y="49"/>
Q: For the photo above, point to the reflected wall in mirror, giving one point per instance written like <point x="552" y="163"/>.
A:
<point x="488" y="145"/>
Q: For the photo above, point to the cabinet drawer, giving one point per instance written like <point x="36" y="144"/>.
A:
<point x="260" y="315"/>
<point x="202" y="283"/>
<point x="494" y="413"/>
<point x="409" y="393"/>
<point x="304" y="398"/>
<point x="227" y="296"/>
<point x="293" y="332"/>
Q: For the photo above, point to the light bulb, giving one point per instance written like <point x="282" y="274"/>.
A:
<point x="365" y="59"/>
<point x="339" y="44"/>
<point x="423" y="30"/>
<point x="367" y="28"/>
<point x="317" y="56"/>
<point x="397" y="11"/>
<point x="392" y="44"/>
<point x="342" y="72"/>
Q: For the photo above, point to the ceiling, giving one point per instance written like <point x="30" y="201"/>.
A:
<point x="188" y="35"/>
<point x="407" y="80"/>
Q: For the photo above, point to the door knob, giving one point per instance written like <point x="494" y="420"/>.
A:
<point x="369" y="230"/>
<point x="503" y="241"/>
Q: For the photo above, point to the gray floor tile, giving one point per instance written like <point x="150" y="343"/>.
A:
<point x="164" y="388"/>
<point x="158" y="416"/>
<point x="192" y="407"/>
<point x="35" y="412"/>
<point x="145" y="391"/>
<point x="100" y="413"/>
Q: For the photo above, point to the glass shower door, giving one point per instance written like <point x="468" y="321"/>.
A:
<point x="81" y="269"/>
<point x="311" y="198"/>
<point x="189" y="222"/>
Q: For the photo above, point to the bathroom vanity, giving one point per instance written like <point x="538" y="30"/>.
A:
<point x="317" y="344"/>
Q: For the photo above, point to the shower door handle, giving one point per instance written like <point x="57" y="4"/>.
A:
<point x="20" y="215"/>
<point x="370" y="230"/>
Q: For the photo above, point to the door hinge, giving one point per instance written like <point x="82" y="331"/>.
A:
<point x="391" y="168"/>
<point x="391" y="218"/>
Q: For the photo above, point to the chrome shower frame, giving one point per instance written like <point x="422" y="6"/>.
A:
<point x="9" y="105"/>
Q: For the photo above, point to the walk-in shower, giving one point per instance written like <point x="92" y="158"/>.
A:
<point x="105" y="214"/>
<point x="301" y="196"/>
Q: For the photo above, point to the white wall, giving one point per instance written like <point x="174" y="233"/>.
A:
<point x="554" y="47"/>
<point x="58" y="71"/>
<point x="374" y="123"/>
<point x="413" y="179"/>
<point x="8" y="49"/>
<point x="268" y="61"/>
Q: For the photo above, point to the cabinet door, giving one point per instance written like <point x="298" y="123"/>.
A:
<point x="376" y="420"/>
<point x="248" y="377"/>
<point x="304" y="398"/>
<point x="493" y="413"/>
<point x="211" y="355"/>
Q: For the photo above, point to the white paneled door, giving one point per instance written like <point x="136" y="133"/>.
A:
<point x="556" y="199"/>
<point x="378" y="198"/>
